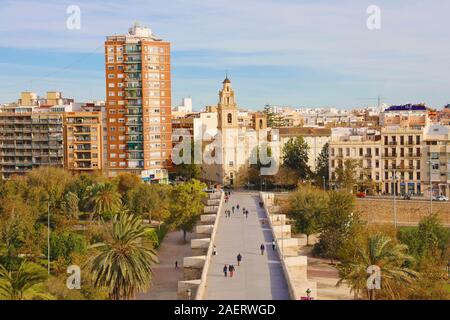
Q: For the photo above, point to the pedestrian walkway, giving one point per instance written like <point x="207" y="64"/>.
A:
<point x="258" y="277"/>
<point x="165" y="277"/>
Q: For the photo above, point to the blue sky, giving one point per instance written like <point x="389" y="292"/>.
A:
<point x="283" y="52"/>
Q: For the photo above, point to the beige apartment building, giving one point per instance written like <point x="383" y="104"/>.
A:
<point x="138" y="91"/>
<point x="83" y="140"/>
<point x="436" y="160"/>
<point x="364" y="146"/>
<point x="402" y="159"/>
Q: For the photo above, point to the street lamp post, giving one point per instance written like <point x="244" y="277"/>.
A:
<point x="394" y="196"/>
<point x="431" y="186"/>
<point x="48" y="237"/>
<point x="189" y="293"/>
<point x="324" y="186"/>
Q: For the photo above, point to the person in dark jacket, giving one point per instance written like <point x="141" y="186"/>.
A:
<point x="231" y="270"/>
<point x="225" y="270"/>
<point x="239" y="259"/>
<point x="262" y="248"/>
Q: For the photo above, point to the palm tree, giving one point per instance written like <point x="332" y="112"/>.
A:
<point x="103" y="197"/>
<point x="25" y="283"/>
<point x="123" y="263"/>
<point x="389" y="256"/>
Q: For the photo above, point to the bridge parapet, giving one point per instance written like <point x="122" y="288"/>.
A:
<point x="197" y="266"/>
<point x="294" y="266"/>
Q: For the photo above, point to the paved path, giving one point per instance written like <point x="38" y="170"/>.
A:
<point x="259" y="277"/>
<point x="165" y="277"/>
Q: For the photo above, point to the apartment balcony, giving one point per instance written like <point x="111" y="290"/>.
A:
<point x="133" y="70"/>
<point x="16" y="169"/>
<point x="390" y="155"/>
<point x="82" y="132"/>
<point x="23" y="147"/>
<point x="83" y="166"/>
<point x="368" y="155"/>
<point x="392" y="143"/>
<point x="132" y="61"/>
<point x="414" y="155"/>
<point x="133" y="96"/>
<point x="16" y="162"/>
<point x="79" y="139"/>
<point x="131" y="50"/>
<point x="83" y="158"/>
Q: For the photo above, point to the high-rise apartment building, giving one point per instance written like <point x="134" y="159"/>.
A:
<point x="29" y="139"/>
<point x="37" y="132"/>
<point x="138" y="93"/>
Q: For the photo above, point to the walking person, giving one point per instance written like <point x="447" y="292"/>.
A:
<point x="176" y="264"/>
<point x="215" y="251"/>
<point x="231" y="270"/>
<point x="232" y="208"/>
<point x="273" y="245"/>
<point x="239" y="259"/>
<point x="262" y="248"/>
<point x="237" y="207"/>
<point x="225" y="270"/>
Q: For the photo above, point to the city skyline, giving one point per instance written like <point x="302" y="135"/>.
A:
<point x="329" y="60"/>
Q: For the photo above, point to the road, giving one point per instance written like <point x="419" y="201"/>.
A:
<point x="260" y="277"/>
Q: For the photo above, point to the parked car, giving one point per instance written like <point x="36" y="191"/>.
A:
<point x="361" y="195"/>
<point x="440" y="198"/>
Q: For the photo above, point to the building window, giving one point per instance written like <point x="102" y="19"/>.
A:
<point x="230" y="118"/>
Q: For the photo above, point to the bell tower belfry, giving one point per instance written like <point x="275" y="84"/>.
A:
<point x="227" y="108"/>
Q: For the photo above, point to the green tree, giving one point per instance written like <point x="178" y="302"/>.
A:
<point x="385" y="253"/>
<point x="339" y="224"/>
<point x="346" y="175"/>
<point x="127" y="181"/>
<point x="307" y="205"/>
<point x="150" y="200"/>
<point x="270" y="116"/>
<point x="19" y="232"/>
<point x="322" y="169"/>
<point x="186" y="205"/>
<point x="188" y="171"/>
<point x="64" y="244"/>
<point x="123" y="263"/>
<point x="295" y="156"/>
<point x="102" y="198"/>
<point x="70" y="204"/>
<point x="25" y="283"/>
<point x="53" y="182"/>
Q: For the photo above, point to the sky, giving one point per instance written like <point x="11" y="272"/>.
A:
<point x="301" y="53"/>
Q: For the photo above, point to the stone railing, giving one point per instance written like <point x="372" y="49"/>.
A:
<point x="294" y="266"/>
<point x="203" y="247"/>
